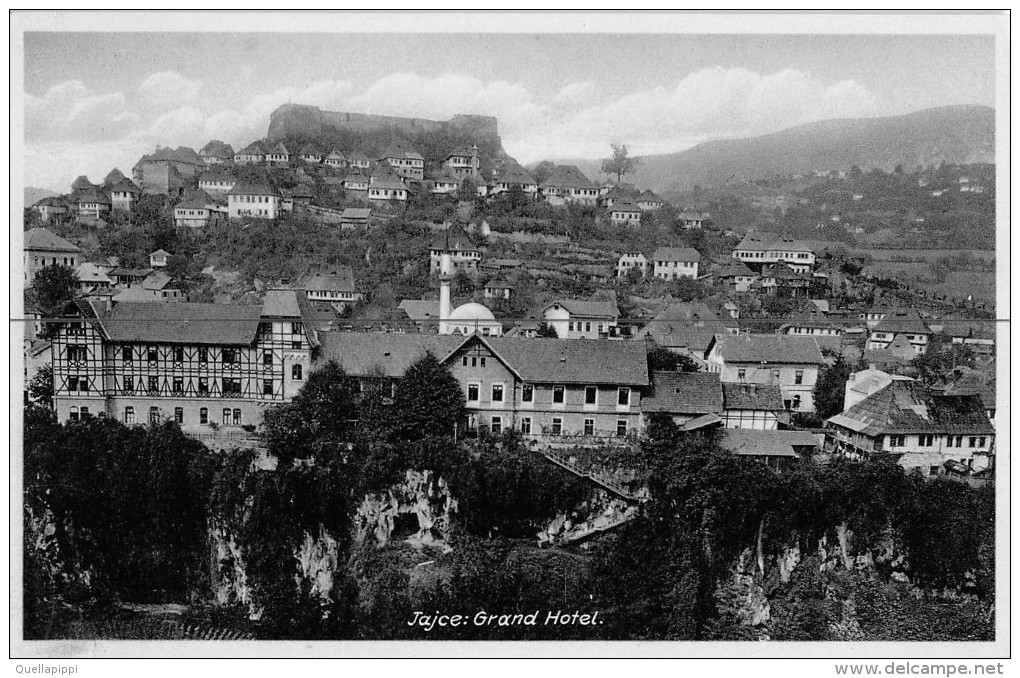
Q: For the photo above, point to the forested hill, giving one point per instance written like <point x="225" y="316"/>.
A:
<point x="951" y="134"/>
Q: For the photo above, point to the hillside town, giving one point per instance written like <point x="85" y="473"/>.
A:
<point x="574" y="317"/>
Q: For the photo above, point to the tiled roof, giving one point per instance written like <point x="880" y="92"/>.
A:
<point x="676" y="254"/>
<point x="340" y="279"/>
<point x="417" y="309"/>
<point x="217" y="149"/>
<point x="356" y="177"/>
<point x="691" y="215"/>
<point x="356" y="213"/>
<point x="156" y="281"/>
<point x="310" y="149"/>
<point x="197" y="199"/>
<point x="282" y="303"/>
<point x="82" y="183"/>
<point x="358" y="156"/>
<point x="906" y="407"/>
<point x="125" y="186"/>
<point x="782" y="271"/>
<point x="649" y="196"/>
<point x="453" y="239"/>
<point x="568" y="176"/>
<point x="768" y="348"/>
<point x="45" y="240"/>
<point x="756" y="443"/>
<point x="387" y="181"/>
<point x="463" y="152"/>
<point x="684" y="393"/>
<point x="770" y="241"/>
<point x="51" y="201"/>
<point x="242" y="188"/>
<point x="180" y="323"/>
<point x="625" y="206"/>
<point x="573" y="361"/>
<point x="254" y="148"/>
<point x="93" y="196"/>
<point x="587" y="309"/>
<point x="768" y="397"/>
<point x="736" y="268"/>
<point x="908" y="322"/>
<point x="967" y="381"/>
<point x="514" y="174"/>
<point x="686" y="325"/>
<point x="387" y="354"/>
<point x="115" y="176"/>
<point x="279" y="149"/>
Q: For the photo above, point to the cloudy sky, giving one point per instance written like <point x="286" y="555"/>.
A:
<point x="98" y="100"/>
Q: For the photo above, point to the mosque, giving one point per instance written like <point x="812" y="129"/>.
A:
<point x="466" y="319"/>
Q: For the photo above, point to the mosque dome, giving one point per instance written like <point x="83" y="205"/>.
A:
<point x="470" y="312"/>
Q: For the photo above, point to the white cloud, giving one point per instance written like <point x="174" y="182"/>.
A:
<point x="168" y="86"/>
<point x="70" y="110"/>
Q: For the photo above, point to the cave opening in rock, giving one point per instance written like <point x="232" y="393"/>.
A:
<point x="405" y="525"/>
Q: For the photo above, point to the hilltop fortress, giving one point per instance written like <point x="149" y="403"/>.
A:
<point x="298" y="119"/>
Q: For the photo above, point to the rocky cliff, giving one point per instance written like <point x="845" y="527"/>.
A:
<point x="298" y="120"/>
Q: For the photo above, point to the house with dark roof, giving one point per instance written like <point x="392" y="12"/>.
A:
<point x="499" y="288"/>
<point x="81" y="184"/>
<point x="253" y="153"/>
<point x="783" y="280"/>
<point x="513" y="175"/>
<point x="566" y="184"/>
<point x="624" y="213"/>
<point x="216" y="152"/>
<point x="547" y="390"/>
<point x="684" y="396"/>
<point x="115" y="176"/>
<point x="255" y="200"/>
<point x="124" y="194"/>
<point x="778" y="450"/>
<point x="578" y="319"/>
<point x="52" y="207"/>
<point x="311" y="153"/>
<point x="359" y="160"/>
<point x="334" y="286"/>
<point x="752" y="406"/>
<point x="386" y="187"/>
<point x="758" y="249"/>
<point x="445" y="183"/>
<point x="335" y="159"/>
<point x="649" y="201"/>
<point x="920" y="429"/>
<point x="93" y="204"/>
<point x="463" y="162"/>
<point x="278" y="155"/>
<point x="199" y="209"/>
<point x="790" y="362"/>
<point x="356" y="182"/>
<point x="896" y="324"/>
<point x="670" y="263"/>
<point x="217" y="182"/>
<point x="163" y="172"/>
<point x="690" y="218"/>
<point x="612" y="193"/>
<point x="406" y="163"/>
<point x="687" y="328"/>
<point x="199" y="365"/>
<point x="969" y="381"/>
<point x="453" y="240"/>
<point x="978" y="335"/>
<point x="735" y="276"/>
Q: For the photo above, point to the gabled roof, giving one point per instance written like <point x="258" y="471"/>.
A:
<point x="358" y="156"/>
<point x="770" y="241"/>
<point x="388" y="181"/>
<point x="649" y="196"/>
<point x="242" y="188"/>
<point x="356" y="177"/>
<point x="687" y="326"/>
<point x="675" y="253"/>
<point x="587" y="309"/>
<point x="768" y="348"/>
<point x="968" y="381"/>
<point x="463" y="152"/>
<point x="93" y="195"/>
<point x="625" y="205"/>
<point x="336" y="155"/>
<point x="453" y="239"/>
<point x="179" y="323"/>
<point x="282" y="303"/>
<point x="52" y="201"/>
<point x="156" y="281"/>
<point x="768" y="397"/>
<point x="82" y="183"/>
<point x="311" y="149"/>
<point x="514" y="174"/>
<point x="45" y="240"/>
<point x="125" y="186"/>
<point x="907" y="407"/>
<point x="197" y="199"/>
<point x="684" y="393"/>
<point x="338" y="279"/>
<point x="447" y="177"/>
<point x="363" y="354"/>
<point x="278" y="149"/>
<point x="691" y="215"/>
<point x="782" y="271"/>
<point x="568" y="176"/>
<point x="254" y="148"/>
<point x="182" y="154"/>
<point x="420" y="309"/>
<point x="160" y="253"/>
<point x="733" y="269"/>
<point x="908" y="322"/>
<point x="356" y="213"/>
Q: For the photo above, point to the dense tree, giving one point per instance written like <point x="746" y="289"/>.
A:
<point x="830" y="387"/>
<point x="543" y="170"/>
<point x="546" y="331"/>
<point x="428" y="401"/>
<point x="620" y="163"/>
<point x="40" y="387"/>
<point x="660" y="358"/>
<point x="940" y="357"/>
<point x="55" y="285"/>
<point x="688" y="289"/>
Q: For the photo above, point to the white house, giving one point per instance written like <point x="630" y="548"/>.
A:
<point x="790" y="362"/>
<point x="900" y="323"/>
<point x="216" y="183"/>
<point x="625" y="213"/>
<point x="631" y="261"/>
<point x="574" y="319"/>
<point x="758" y="249"/>
<point x="255" y="200"/>
<point x="670" y="263"/>
<point x="387" y="188"/>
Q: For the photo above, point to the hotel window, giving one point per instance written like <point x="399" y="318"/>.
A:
<point x="925" y="440"/>
<point x="472" y="393"/>
<point x="589" y="427"/>
<point x="178" y="385"/>
<point x="267" y="387"/>
<point x="559" y="395"/>
<point x="226" y="416"/>
<point x="775" y="377"/>
<point x="237" y="417"/>
<point x="295" y="328"/>
<point x="527" y="393"/>
<point x="464" y="361"/>
<point x="179" y="415"/>
<point x="127" y="354"/>
<point x="267" y="357"/>
<point x="203" y="384"/>
<point x="497" y="393"/>
<point x="178" y="354"/>
<point x="153" y="384"/>
<point x="129" y="415"/>
<point x="85" y="412"/>
<point x="591" y="395"/>
<point x="231" y="386"/>
<point x="621" y="427"/>
<point x="203" y="355"/>
<point x="229" y="356"/>
<point x="203" y="415"/>
<point x="741" y="375"/>
<point x="624" y="396"/>
<point x="73" y="414"/>
<point x="972" y="441"/>
<point x="981" y="440"/>
<point x="129" y="384"/>
<point x="153" y="354"/>
<point x="496" y="426"/>
<point x="526" y="425"/>
<point x="153" y="415"/>
<point x="296" y="372"/>
<point x="796" y="402"/>
<point x="798" y="377"/>
<point x="557" y="426"/>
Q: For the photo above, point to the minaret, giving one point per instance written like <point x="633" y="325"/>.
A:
<point x="445" y="306"/>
